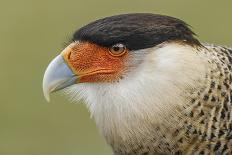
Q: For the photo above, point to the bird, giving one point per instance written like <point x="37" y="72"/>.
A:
<point x="150" y="85"/>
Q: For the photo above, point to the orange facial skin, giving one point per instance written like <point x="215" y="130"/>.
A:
<point x="94" y="63"/>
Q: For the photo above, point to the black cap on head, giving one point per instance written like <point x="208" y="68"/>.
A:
<point x="136" y="31"/>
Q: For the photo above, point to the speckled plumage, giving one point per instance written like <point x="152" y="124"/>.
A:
<point x="208" y="124"/>
<point x="203" y="125"/>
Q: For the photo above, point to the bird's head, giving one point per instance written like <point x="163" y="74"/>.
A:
<point x="107" y="50"/>
<point x="129" y="69"/>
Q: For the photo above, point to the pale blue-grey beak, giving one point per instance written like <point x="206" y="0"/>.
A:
<point x="58" y="75"/>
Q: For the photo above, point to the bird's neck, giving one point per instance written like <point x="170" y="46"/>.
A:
<point x="148" y="103"/>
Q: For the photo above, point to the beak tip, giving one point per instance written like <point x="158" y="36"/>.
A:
<point x="47" y="97"/>
<point x="46" y="93"/>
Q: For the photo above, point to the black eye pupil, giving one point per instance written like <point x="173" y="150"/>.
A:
<point x="116" y="48"/>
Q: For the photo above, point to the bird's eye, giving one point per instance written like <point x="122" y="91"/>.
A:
<point x="117" y="49"/>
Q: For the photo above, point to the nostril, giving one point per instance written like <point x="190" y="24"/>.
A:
<point x="69" y="55"/>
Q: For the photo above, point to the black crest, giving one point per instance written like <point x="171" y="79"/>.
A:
<point x="136" y="31"/>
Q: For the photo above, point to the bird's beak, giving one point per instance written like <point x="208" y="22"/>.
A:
<point x="58" y="75"/>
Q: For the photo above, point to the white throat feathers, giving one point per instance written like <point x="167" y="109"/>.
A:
<point x="148" y="95"/>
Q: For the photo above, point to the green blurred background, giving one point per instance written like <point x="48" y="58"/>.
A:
<point x="34" y="32"/>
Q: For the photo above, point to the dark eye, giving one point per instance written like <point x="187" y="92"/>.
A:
<point x="117" y="49"/>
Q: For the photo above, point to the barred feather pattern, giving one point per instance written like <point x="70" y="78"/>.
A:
<point x="204" y="125"/>
<point x="208" y="129"/>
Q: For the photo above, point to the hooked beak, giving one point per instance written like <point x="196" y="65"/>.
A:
<point x="58" y="75"/>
